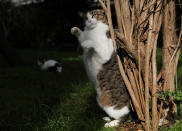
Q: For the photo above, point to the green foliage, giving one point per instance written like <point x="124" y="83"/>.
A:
<point x="177" y="127"/>
<point x="177" y="95"/>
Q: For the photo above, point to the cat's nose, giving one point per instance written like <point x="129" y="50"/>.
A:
<point x="89" y="21"/>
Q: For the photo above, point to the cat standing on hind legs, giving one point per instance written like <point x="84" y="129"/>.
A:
<point x="101" y="67"/>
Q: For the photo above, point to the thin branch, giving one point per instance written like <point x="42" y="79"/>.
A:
<point x="149" y="5"/>
<point x="154" y="97"/>
<point x="103" y="5"/>
<point x="133" y="83"/>
<point x="132" y="22"/>
<point x="140" y="91"/>
<point x="147" y="69"/>
<point x="159" y="76"/>
<point x="130" y="90"/>
<point x="118" y="15"/>
<point x="177" y="48"/>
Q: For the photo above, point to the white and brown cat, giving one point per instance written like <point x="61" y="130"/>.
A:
<point x="101" y="67"/>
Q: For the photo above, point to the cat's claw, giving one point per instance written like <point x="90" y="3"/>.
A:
<point x="75" y="31"/>
<point x="112" y="123"/>
<point x="106" y="119"/>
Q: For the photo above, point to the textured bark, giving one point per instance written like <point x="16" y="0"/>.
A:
<point x="139" y="24"/>
<point x="147" y="74"/>
<point x="169" y="44"/>
<point x="170" y="56"/>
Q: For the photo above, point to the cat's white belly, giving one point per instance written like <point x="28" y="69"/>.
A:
<point x="92" y="68"/>
<point x="116" y="113"/>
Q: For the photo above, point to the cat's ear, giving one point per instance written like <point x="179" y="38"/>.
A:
<point x="39" y="63"/>
<point x="40" y="60"/>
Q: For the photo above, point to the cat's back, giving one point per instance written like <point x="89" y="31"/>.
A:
<point x="111" y="85"/>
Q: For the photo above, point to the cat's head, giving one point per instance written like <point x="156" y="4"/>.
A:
<point x="40" y="61"/>
<point x="92" y="18"/>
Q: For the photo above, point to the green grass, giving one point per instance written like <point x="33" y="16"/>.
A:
<point x="33" y="100"/>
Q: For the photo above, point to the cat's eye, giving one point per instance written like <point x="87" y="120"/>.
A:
<point x="94" y="15"/>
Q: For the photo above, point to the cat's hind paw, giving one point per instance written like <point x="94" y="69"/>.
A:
<point x="75" y="31"/>
<point x="112" y="123"/>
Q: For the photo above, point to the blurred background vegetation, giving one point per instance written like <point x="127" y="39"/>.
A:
<point x="38" y="25"/>
<point x="31" y="99"/>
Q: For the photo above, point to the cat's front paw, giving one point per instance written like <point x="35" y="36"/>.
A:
<point x="75" y="31"/>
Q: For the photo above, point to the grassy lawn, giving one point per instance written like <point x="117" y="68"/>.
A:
<point x="31" y="99"/>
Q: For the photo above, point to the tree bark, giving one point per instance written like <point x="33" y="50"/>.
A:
<point x="169" y="44"/>
<point x="139" y="24"/>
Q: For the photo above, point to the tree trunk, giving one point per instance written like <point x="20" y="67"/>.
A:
<point x="170" y="40"/>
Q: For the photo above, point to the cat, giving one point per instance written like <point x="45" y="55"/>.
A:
<point x="50" y="65"/>
<point x="101" y="67"/>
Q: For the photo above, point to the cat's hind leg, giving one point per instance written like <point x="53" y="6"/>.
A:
<point x="112" y="123"/>
<point x="118" y="114"/>
<point x="109" y="122"/>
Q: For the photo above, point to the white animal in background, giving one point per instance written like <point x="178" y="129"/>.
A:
<point x="50" y="65"/>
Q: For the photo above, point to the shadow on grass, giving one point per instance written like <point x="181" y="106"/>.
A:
<point x="34" y="100"/>
<point x="90" y="119"/>
<point x="29" y="96"/>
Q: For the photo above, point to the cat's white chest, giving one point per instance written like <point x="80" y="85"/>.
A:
<point x="97" y="34"/>
<point x="98" y="53"/>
